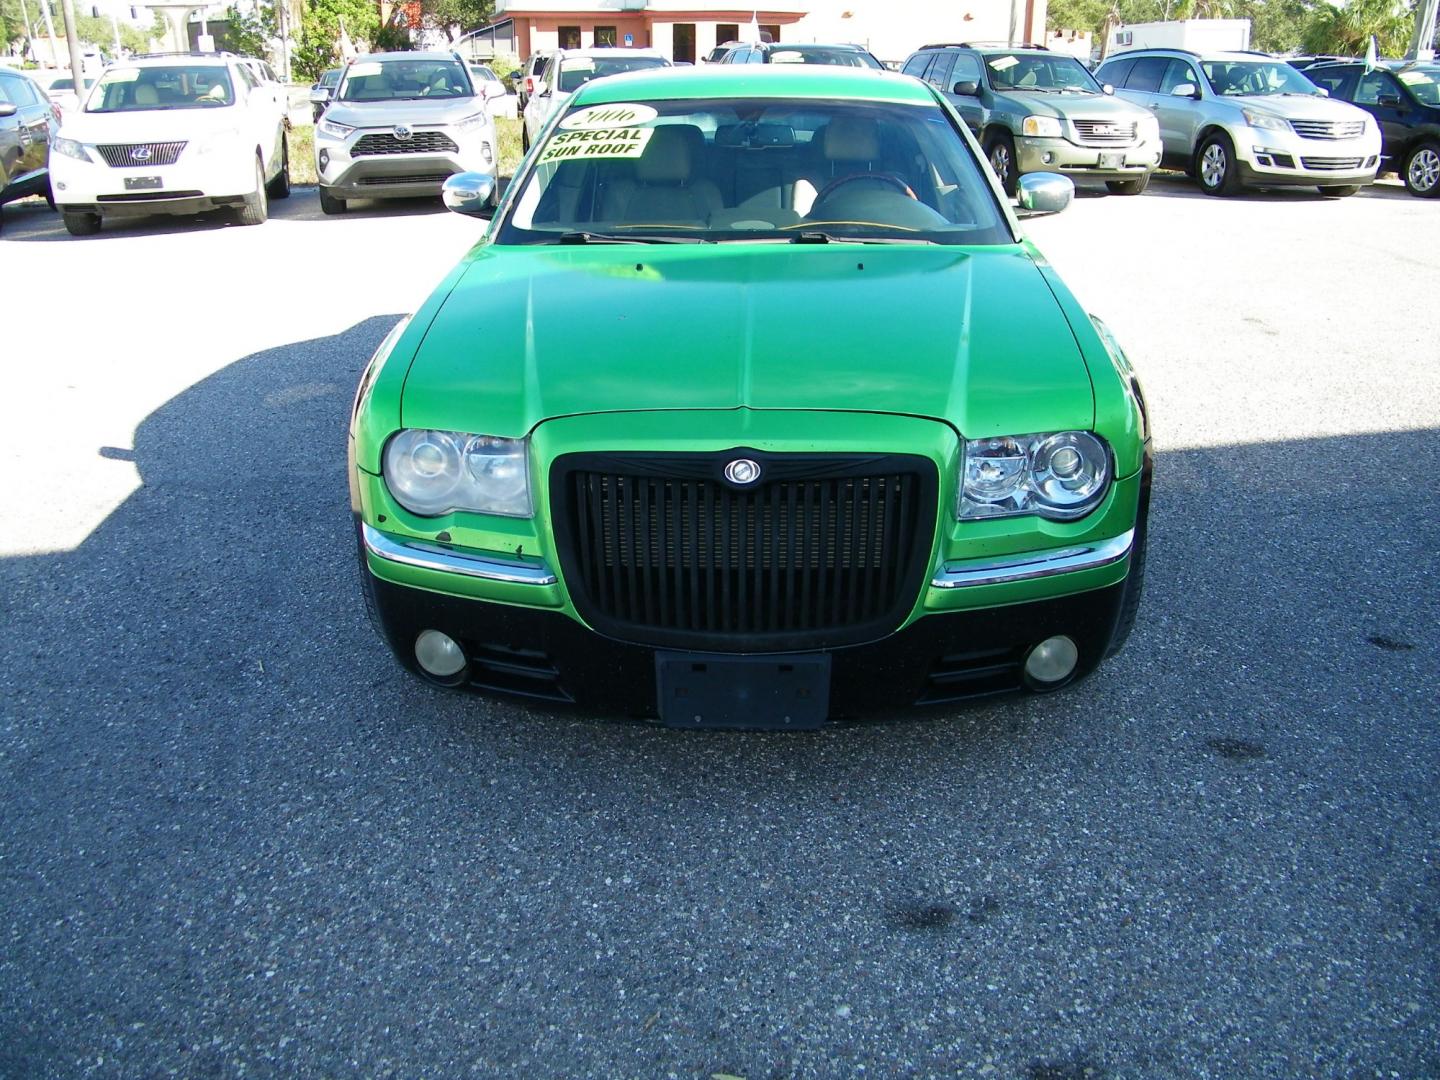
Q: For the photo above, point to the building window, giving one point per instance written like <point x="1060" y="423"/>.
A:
<point x="726" y="31"/>
<point x="770" y="32"/>
<point x="604" y="35"/>
<point x="684" y="51"/>
<point x="569" y="37"/>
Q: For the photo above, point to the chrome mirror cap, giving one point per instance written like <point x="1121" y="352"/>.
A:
<point x="1045" y="192"/>
<point x="468" y="193"/>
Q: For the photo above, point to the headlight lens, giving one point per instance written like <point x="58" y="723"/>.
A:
<point x="1148" y="129"/>
<point x="71" y="148"/>
<point x="435" y="472"/>
<point x="1061" y="475"/>
<point x="471" y="123"/>
<point x="1043" y="126"/>
<point x="1264" y="120"/>
<point x="334" y="130"/>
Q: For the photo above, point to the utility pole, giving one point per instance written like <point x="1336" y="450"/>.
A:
<point x="77" y="69"/>
<point x="50" y="30"/>
<point x="115" y="25"/>
<point x="29" y="31"/>
<point x="1424" y="28"/>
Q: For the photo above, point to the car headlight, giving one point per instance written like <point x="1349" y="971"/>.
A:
<point x="1148" y="128"/>
<point x="334" y="130"/>
<point x="1043" y="126"/>
<point x="471" y="123"/>
<point x="70" y="148"/>
<point x="1264" y="120"/>
<point x="435" y="472"/>
<point x="1061" y="476"/>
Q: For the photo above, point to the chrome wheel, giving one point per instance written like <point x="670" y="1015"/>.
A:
<point x="1423" y="173"/>
<point x="1000" y="162"/>
<point x="1213" y="165"/>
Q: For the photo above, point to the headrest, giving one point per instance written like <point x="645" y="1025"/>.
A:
<point x="670" y="153"/>
<point x="852" y="138"/>
<point x="145" y="94"/>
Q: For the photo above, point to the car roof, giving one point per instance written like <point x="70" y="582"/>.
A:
<point x="755" y="80"/>
<point x="418" y="54"/>
<point x="174" y="59"/>
<point x="605" y="50"/>
<point x="1229" y="56"/>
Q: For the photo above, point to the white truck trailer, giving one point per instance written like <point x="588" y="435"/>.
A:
<point x="1198" y="35"/>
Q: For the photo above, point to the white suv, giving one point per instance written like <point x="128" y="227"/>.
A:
<point x="400" y="125"/>
<point x="170" y="135"/>
<point x="563" y="71"/>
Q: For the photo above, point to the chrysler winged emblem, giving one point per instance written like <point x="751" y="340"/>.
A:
<point x="403" y="132"/>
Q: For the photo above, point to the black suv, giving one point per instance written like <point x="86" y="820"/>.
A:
<point x="1404" y="98"/>
<point x="27" y="120"/>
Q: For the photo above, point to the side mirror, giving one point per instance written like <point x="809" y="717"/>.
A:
<point x="1044" y="193"/>
<point x="966" y="89"/>
<point x="469" y="193"/>
<point x="1389" y="101"/>
<point x="1108" y="89"/>
<point x="516" y="75"/>
<point x="1186" y="90"/>
<point x="320" y="95"/>
<point x="8" y="108"/>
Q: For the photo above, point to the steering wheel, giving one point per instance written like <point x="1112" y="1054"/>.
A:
<point x="888" y="178"/>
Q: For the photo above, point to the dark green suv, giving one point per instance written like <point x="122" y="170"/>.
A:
<point x="1039" y="111"/>
<point x="26" y="121"/>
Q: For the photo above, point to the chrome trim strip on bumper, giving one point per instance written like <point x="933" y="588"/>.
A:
<point x="434" y="557"/>
<point x="1037" y="564"/>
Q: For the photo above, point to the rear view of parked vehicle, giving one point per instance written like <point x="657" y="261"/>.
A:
<point x="401" y="125"/>
<point x="171" y="135"/>
<point x="566" y="70"/>
<point x="1237" y="120"/>
<point x="26" y="122"/>
<point x="1404" y="99"/>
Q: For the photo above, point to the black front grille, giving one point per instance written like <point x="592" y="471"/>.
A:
<point x="421" y="142"/>
<point x="824" y="551"/>
<point x="418" y="178"/>
<point x="140" y="155"/>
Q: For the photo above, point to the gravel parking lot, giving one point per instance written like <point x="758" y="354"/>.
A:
<point x="238" y="840"/>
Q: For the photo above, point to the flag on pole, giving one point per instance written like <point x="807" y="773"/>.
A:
<point x="751" y="35"/>
<point x="1372" y="56"/>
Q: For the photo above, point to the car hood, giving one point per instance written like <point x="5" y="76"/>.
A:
<point x="417" y="111"/>
<point x="1079" y="106"/>
<point x="973" y="336"/>
<point x="149" y="125"/>
<point x="1298" y="107"/>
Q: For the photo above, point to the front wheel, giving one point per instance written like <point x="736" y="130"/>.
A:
<point x="1339" y="191"/>
<point x="80" y="224"/>
<point x="256" y="207"/>
<point x="1000" y="151"/>
<point x="280" y="186"/>
<point x="329" y="204"/>
<point x="1215" y="166"/>
<point x="1421" y="170"/>
<point x="1128" y="187"/>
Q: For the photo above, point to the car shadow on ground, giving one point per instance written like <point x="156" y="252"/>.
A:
<point x="239" y="838"/>
<point x="1168" y="184"/>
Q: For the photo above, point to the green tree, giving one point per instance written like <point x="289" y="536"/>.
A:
<point x="456" y="17"/>
<point x="100" y="32"/>
<point x="1347" y="30"/>
<point x="249" y="32"/>
<point x="320" y="22"/>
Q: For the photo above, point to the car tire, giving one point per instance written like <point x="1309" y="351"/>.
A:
<point x="1421" y="169"/>
<point x="49" y="192"/>
<point x="280" y="186"/>
<point x="329" y="204"/>
<point x="524" y="137"/>
<point x="1339" y="191"/>
<point x="1128" y="187"/>
<point x="78" y="223"/>
<point x="1000" y="152"/>
<point x="1216" y="170"/>
<point x="256" y="207"/>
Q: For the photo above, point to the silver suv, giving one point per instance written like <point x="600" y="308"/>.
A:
<point x="1233" y="120"/>
<point x="399" y="126"/>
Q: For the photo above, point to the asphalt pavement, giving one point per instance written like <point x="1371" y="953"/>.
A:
<point x="237" y="840"/>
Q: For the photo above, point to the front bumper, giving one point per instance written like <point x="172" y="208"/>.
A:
<point x="193" y="184"/>
<point x="1272" y="158"/>
<point x="1054" y="154"/>
<point x="399" y="175"/>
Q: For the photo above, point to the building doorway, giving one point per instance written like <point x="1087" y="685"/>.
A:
<point x="684" y="50"/>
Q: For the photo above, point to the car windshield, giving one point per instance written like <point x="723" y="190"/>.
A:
<point x="1250" y="78"/>
<point x="1424" y="83"/>
<point x="405" y="80"/>
<point x="61" y="85"/>
<point x="821" y="54"/>
<point x="135" y="89"/>
<point x="805" y="171"/>
<point x="1041" y="72"/>
<point x="576" y="71"/>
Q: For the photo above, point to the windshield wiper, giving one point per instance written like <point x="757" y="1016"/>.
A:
<point x="814" y="237"/>
<point x="624" y="238"/>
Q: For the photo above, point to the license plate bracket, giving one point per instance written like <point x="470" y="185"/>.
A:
<point x="773" y="693"/>
<point x="143" y="183"/>
<point x="1112" y="161"/>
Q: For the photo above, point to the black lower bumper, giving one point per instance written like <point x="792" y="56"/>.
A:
<point x="546" y="656"/>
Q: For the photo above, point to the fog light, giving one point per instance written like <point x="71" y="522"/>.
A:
<point x="439" y="654"/>
<point x="1047" y="157"/>
<point x="1052" y="661"/>
<point x="324" y="160"/>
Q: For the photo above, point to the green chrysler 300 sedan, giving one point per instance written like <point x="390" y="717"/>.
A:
<point x="754" y="408"/>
